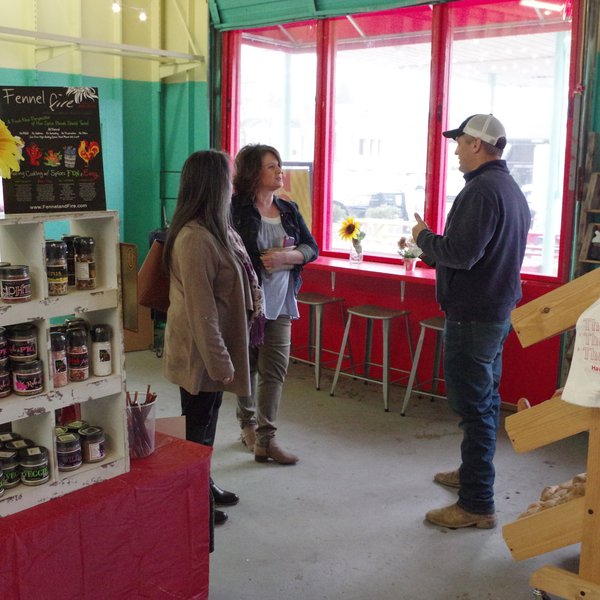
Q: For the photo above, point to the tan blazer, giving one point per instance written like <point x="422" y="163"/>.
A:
<point x="206" y="336"/>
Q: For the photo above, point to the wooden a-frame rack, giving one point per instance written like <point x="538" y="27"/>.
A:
<point x="576" y="521"/>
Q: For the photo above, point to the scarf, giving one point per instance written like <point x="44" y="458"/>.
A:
<point x="257" y="317"/>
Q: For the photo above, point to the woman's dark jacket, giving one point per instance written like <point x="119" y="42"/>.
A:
<point x="246" y="220"/>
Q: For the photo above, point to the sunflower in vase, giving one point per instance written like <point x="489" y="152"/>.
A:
<point x="351" y="229"/>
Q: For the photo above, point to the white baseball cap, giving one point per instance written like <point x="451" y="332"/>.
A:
<point x="485" y="127"/>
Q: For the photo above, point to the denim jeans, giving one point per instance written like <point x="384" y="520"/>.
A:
<point x="472" y="368"/>
<point x="268" y="368"/>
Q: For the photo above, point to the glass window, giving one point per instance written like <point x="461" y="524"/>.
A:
<point x="512" y="59"/>
<point x="381" y="107"/>
<point x="277" y="89"/>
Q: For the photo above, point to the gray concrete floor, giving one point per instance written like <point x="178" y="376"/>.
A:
<point x="346" y="522"/>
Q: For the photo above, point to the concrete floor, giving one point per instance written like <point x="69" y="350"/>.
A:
<point x="346" y="522"/>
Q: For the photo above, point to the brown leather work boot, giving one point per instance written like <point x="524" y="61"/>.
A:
<point x="274" y="452"/>
<point x="455" y="517"/>
<point x="448" y="478"/>
<point x="248" y="437"/>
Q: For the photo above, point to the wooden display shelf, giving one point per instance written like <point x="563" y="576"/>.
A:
<point x="576" y="521"/>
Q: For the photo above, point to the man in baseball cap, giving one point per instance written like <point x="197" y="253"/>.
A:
<point x="477" y="261"/>
<point x="484" y="127"/>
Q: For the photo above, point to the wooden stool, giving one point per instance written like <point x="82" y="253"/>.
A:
<point x="434" y="324"/>
<point x="316" y="303"/>
<point x="373" y="313"/>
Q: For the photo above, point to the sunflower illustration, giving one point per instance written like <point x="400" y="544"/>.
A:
<point x="10" y="153"/>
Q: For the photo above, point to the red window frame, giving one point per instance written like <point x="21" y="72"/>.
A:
<point x="324" y="119"/>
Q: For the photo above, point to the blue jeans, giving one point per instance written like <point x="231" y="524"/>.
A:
<point x="472" y="368"/>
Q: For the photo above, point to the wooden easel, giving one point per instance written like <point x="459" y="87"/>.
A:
<point x="578" y="520"/>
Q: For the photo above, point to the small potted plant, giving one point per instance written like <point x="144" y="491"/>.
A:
<point x="408" y="250"/>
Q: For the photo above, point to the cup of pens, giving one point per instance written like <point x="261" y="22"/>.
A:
<point x="141" y="409"/>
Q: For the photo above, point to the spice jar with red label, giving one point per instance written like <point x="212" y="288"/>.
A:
<point x="78" y="363"/>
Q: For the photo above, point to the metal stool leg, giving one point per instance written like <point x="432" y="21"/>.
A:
<point x="386" y="364"/>
<point x="311" y="332"/>
<point x="413" y="371"/>
<point x="368" y="345"/>
<point x="318" y="335"/>
<point x="341" y="355"/>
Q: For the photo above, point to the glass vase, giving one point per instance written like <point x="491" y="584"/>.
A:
<point x="356" y="254"/>
<point x="409" y="264"/>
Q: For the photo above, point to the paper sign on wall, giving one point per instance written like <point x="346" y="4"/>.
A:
<point x="58" y="129"/>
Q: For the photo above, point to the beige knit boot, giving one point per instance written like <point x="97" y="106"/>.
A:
<point x="274" y="452"/>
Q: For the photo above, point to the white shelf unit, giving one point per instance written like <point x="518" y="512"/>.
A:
<point x="101" y="399"/>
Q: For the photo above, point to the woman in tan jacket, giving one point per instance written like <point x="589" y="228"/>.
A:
<point x="214" y="297"/>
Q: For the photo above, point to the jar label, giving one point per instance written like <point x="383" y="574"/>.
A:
<point x="5" y="387"/>
<point x="3" y="350"/>
<point x="13" y="289"/>
<point x="28" y="383"/>
<point x="57" y="273"/>
<point x="85" y="270"/>
<point x="19" y="349"/>
<point x="37" y="474"/>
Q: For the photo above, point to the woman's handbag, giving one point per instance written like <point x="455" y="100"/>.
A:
<point x="153" y="281"/>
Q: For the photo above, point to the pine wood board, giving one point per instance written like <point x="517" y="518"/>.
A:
<point x="548" y="422"/>
<point x="589" y="564"/>
<point x="557" y="311"/>
<point x="564" y="584"/>
<point x="547" y="530"/>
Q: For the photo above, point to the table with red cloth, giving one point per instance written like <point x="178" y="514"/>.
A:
<point x="144" y="534"/>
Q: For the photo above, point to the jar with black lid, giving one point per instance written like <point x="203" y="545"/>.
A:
<point x="58" y="353"/>
<point x="5" y="383"/>
<point x="18" y="444"/>
<point x="9" y="436"/>
<point x="69" y="241"/>
<point x="92" y="443"/>
<point x="22" y="342"/>
<point x="56" y="267"/>
<point x="77" y="355"/>
<point x="3" y="345"/>
<point x="28" y="377"/>
<point x="85" y="263"/>
<point x="75" y="426"/>
<point x="15" y="284"/>
<point x="68" y="451"/>
<point x="10" y="467"/>
<point x="101" y="350"/>
<point x="34" y="465"/>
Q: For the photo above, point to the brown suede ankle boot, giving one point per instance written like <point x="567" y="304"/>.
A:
<point x="274" y="452"/>
<point x="248" y="437"/>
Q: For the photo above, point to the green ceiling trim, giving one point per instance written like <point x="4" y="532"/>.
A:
<point x="241" y="14"/>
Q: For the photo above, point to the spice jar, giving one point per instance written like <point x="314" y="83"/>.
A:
<point x="56" y="267"/>
<point x="77" y="355"/>
<point x="101" y="350"/>
<point x="3" y="345"/>
<point x="69" y="240"/>
<point x="92" y="444"/>
<point x="10" y="468"/>
<point x="22" y="342"/>
<point x="68" y="451"/>
<point x="9" y="437"/>
<point x="75" y="426"/>
<point x="18" y="444"/>
<point x="60" y="429"/>
<point x="15" y="284"/>
<point x="28" y="377"/>
<point x="58" y="365"/>
<point x="34" y="465"/>
<point x="85" y="263"/>
<point x="5" y="384"/>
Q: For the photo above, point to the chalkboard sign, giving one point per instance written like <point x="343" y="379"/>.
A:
<point x="58" y="129"/>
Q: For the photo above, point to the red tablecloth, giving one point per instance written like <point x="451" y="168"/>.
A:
<point x="144" y="534"/>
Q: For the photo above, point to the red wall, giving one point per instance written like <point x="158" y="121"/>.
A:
<point x="528" y="372"/>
